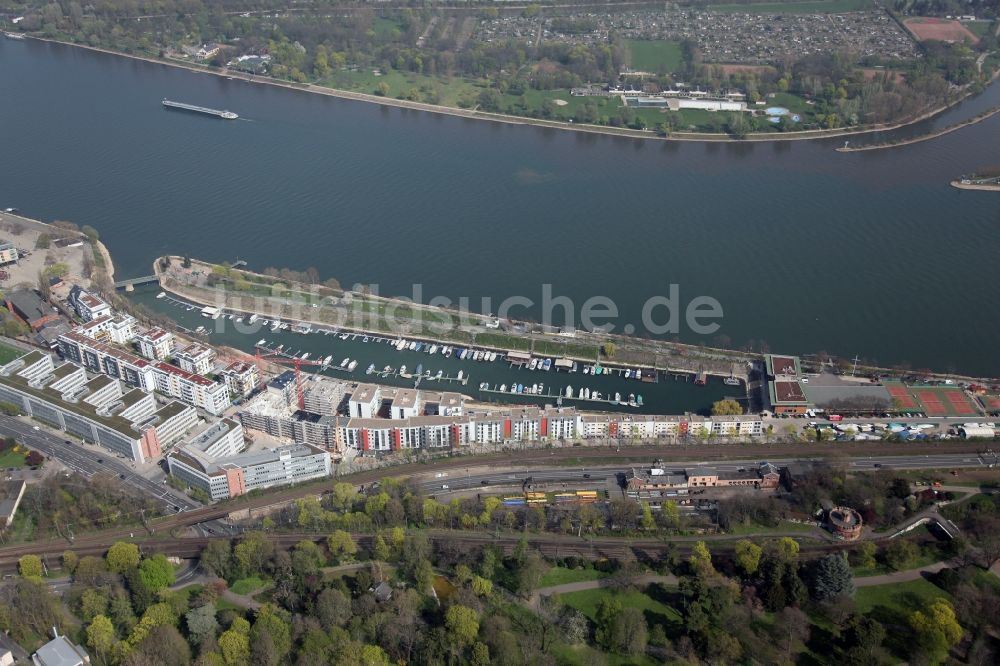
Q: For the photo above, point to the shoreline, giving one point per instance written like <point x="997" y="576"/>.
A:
<point x="696" y="137"/>
<point x="926" y="137"/>
<point x="974" y="186"/>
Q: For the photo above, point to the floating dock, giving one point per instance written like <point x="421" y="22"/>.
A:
<point x="228" y="115"/>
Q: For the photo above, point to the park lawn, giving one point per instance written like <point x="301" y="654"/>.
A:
<point x="978" y="28"/>
<point x="11" y="459"/>
<point x="562" y="575"/>
<point x="655" y="611"/>
<point x="805" y="7"/>
<point x="248" y="585"/>
<point x="9" y="353"/>
<point x="384" y="27"/>
<point x="922" y="560"/>
<point x="793" y="103"/>
<point x="655" y="55"/>
<point x="903" y="598"/>
<point x="223" y="604"/>
<point x="583" y="655"/>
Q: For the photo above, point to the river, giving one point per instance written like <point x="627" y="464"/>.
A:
<point x="870" y="254"/>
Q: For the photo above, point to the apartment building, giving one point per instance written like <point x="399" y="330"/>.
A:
<point x="117" y="329"/>
<point x="102" y="357"/>
<point x="195" y="358"/>
<point x="88" y="306"/>
<point x="155" y="343"/>
<point x="242" y="379"/>
<point x="192" y="388"/>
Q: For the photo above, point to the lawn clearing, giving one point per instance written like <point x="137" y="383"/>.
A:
<point x="11" y="459"/>
<point x="562" y="575"/>
<point x="655" y="611"/>
<point x="248" y="585"/>
<point x="9" y="353"/>
<point x="658" y="55"/>
<point x="903" y="598"/>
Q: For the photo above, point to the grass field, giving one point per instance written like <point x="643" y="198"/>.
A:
<point x="818" y="7"/>
<point x="8" y="353"/>
<point x="978" y="28"/>
<point x="655" y="610"/>
<point x="248" y="585"/>
<point x="655" y="55"/>
<point x="562" y="575"/>
<point x="900" y="598"/>
<point x="11" y="459"/>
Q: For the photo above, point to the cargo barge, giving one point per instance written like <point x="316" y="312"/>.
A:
<point x="228" y="115"/>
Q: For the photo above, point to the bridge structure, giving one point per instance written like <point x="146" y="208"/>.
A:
<point x="131" y="283"/>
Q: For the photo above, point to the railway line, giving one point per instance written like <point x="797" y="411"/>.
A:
<point x="160" y="532"/>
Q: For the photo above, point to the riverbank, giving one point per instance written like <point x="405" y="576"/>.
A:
<point x="474" y="114"/>
<point x="924" y="137"/>
<point x="975" y="186"/>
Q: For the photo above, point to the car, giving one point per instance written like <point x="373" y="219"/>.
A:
<point x="36" y="428"/>
<point x="586" y="476"/>
<point x="177" y="508"/>
<point x="444" y="486"/>
<point x="66" y="441"/>
<point x="485" y="482"/>
<point x="121" y="476"/>
<point x="100" y="461"/>
<point x="878" y="465"/>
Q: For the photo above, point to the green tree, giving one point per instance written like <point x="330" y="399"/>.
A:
<point x="462" y="624"/>
<point x="234" y="643"/>
<point x="701" y="560"/>
<point x="382" y="89"/>
<point x="727" y="407"/>
<point x="122" y="556"/>
<point x="647" y="522"/>
<point x="342" y="546"/>
<point x="833" y="578"/>
<point x="101" y="636"/>
<point x="156" y="572"/>
<point x="270" y="621"/>
<point x="69" y="561"/>
<point x="608" y="609"/>
<point x="748" y="556"/>
<point x="30" y="566"/>
<point x="483" y="587"/>
<point x="201" y="622"/>
<point x="786" y="549"/>
<point x="936" y="629"/>
<point x="865" y="554"/>
<point x="899" y="554"/>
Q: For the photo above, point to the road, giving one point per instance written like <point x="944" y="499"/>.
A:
<point x="89" y="461"/>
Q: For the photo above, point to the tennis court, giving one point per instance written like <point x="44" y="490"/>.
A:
<point x="933" y="400"/>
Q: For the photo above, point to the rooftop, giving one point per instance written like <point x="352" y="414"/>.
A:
<point x="184" y="374"/>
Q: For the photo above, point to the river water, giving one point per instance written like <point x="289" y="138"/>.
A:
<point x="807" y="249"/>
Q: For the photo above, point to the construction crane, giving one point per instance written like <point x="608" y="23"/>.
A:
<point x="276" y="356"/>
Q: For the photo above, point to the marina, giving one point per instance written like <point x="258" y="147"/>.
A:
<point x="497" y="376"/>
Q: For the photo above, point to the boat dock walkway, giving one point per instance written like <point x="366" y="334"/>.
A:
<point x="558" y="396"/>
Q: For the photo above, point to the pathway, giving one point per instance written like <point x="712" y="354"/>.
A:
<point x="566" y="588"/>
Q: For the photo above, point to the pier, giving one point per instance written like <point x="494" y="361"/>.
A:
<point x="228" y="115"/>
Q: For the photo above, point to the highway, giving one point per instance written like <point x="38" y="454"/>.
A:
<point x="88" y="462"/>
